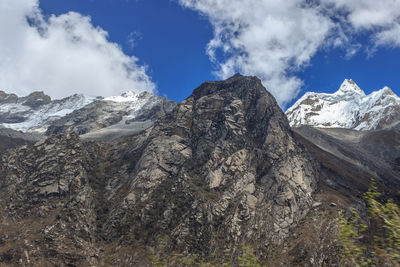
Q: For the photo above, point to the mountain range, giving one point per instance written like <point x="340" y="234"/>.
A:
<point x="348" y="108"/>
<point x="37" y="114"/>
<point x="133" y="179"/>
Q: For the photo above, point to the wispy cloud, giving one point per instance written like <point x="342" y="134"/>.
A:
<point x="133" y="39"/>
<point x="62" y="55"/>
<point x="274" y="39"/>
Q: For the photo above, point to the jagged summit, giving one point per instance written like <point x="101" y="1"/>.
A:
<point x="388" y="91"/>
<point x="237" y="84"/>
<point x="349" y="107"/>
<point x="349" y="87"/>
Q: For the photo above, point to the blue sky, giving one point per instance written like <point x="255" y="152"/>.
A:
<point x="183" y="43"/>
<point x="171" y="40"/>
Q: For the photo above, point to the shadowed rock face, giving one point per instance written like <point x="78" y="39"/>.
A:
<point x="10" y="139"/>
<point x="222" y="168"/>
<point x="355" y="157"/>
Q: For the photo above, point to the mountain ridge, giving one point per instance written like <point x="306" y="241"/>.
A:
<point x="349" y="107"/>
<point x="37" y="113"/>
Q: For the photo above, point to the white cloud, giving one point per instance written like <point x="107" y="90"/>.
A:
<point x="273" y="39"/>
<point x="368" y="14"/>
<point x="62" y="55"/>
<point x="381" y="18"/>
<point x="269" y="39"/>
<point x="389" y="37"/>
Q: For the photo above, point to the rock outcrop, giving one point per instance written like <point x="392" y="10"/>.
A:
<point x="223" y="168"/>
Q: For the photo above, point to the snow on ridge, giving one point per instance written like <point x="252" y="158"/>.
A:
<point x="37" y="117"/>
<point x="18" y="116"/>
<point x="128" y="96"/>
<point x="27" y="119"/>
<point x="349" y="107"/>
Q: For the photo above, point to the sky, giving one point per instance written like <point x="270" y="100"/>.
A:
<point x="169" y="47"/>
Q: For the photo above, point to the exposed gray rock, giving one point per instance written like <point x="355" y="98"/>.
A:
<point x="223" y="165"/>
<point x="8" y="98"/>
<point x="220" y="169"/>
<point x="44" y="189"/>
<point x="35" y="100"/>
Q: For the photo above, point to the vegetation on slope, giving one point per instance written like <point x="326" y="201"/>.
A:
<point x="375" y="242"/>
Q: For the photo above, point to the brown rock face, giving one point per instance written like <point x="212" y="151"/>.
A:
<point x="222" y="169"/>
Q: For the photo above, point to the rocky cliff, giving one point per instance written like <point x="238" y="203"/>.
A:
<point x="216" y="172"/>
<point x="47" y="205"/>
<point x="221" y="169"/>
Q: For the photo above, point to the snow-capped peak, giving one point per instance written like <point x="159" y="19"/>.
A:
<point x="349" y="107"/>
<point x="387" y="91"/>
<point x="350" y="87"/>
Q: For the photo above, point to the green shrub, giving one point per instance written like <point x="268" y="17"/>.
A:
<point x="375" y="244"/>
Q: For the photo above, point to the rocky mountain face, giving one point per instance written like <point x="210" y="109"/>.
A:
<point x="348" y="160"/>
<point x="47" y="205"/>
<point x="114" y="181"/>
<point x="217" y="168"/>
<point x="114" y="116"/>
<point x="220" y="169"/>
<point x="349" y="108"/>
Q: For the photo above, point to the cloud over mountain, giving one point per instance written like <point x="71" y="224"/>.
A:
<point x="62" y="55"/>
<point x="275" y="39"/>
